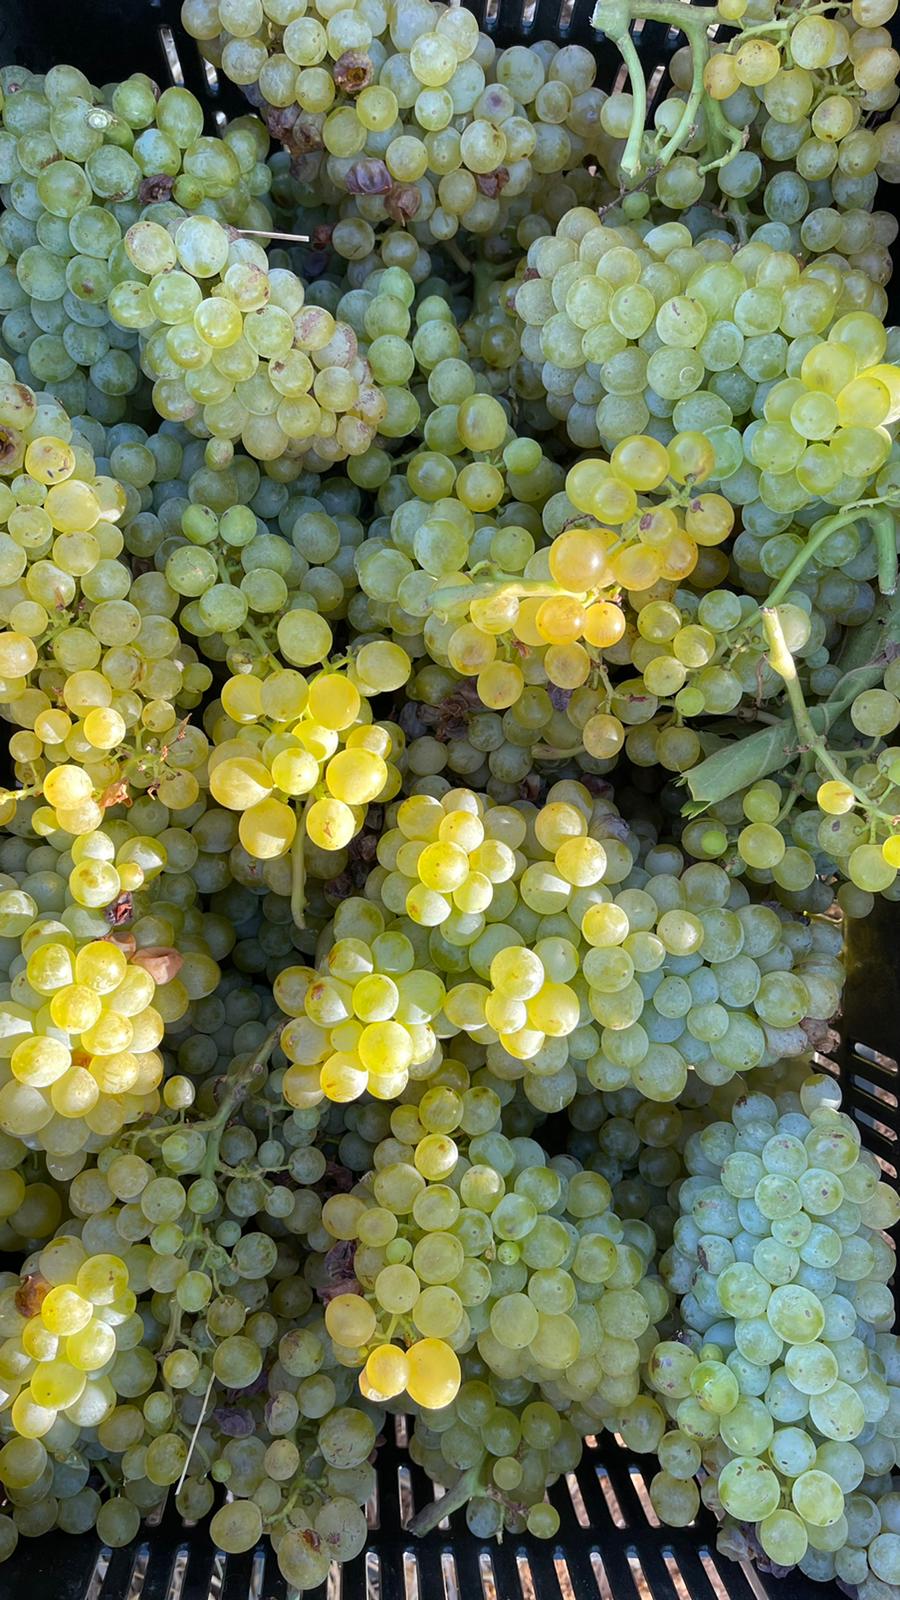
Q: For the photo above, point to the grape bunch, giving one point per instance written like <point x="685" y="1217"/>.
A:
<point x="252" y="360"/>
<point x="79" y="166"/>
<point x="448" y="632"/>
<point x="719" y="323"/>
<point x="785" y="1387"/>
<point x="466" y="1240"/>
<point x="412" y="119"/>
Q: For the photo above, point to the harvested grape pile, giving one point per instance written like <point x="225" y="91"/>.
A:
<point x="450" y="640"/>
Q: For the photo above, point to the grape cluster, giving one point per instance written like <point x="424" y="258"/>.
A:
<point x="79" y="1361"/>
<point x="309" y="740"/>
<point x="251" y="360"/>
<point x="78" y="167"/>
<point x="465" y="1240"/>
<point x="449" y="656"/>
<point x="786" y="1390"/>
<point x="411" y="118"/>
<point x="573" y="955"/>
<point x="646" y="314"/>
<point x="773" y="103"/>
<point x="59" y="1324"/>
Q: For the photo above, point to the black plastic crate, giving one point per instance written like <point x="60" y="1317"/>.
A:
<point x="610" y="1544"/>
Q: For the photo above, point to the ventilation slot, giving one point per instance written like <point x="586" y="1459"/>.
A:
<point x="604" y="1588"/>
<point x="577" y="1499"/>
<point x="486" y="1573"/>
<point x="875" y="1058"/>
<point x="611" y="1498"/>
<point x="643" y="1494"/>
<point x="178" y="1573"/>
<point x="674" y="1571"/>
<point x="639" y="1576"/>
<point x="450" y="1576"/>
<point x="170" y="51"/>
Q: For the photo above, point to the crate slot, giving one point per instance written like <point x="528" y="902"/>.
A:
<point x="643" y="1494"/>
<point x="216" y="1578"/>
<point x="373" y="1509"/>
<point x="411" y="1587"/>
<point x="753" y="1579"/>
<point x="210" y="74"/>
<point x="138" y="1572"/>
<point x="373" y="1575"/>
<point x="489" y="16"/>
<point x="604" y="1588"/>
<point x="716" y="1582"/>
<point x="638" y="1575"/>
<point x="577" y="1499"/>
<point x="178" y="1573"/>
<point x="450" y="1576"/>
<point x="675" y="1574"/>
<point x="401" y="1432"/>
<point x="98" y="1574"/>
<point x="170" y="51"/>
<point x="405" y="1496"/>
<point x="874" y="1089"/>
<point x="611" y="1498"/>
<point x="653" y="84"/>
<point x="564" y="1577"/>
<point x="881" y="1128"/>
<point x="334" y="1583"/>
<point x="565" y="17"/>
<point x="258" y="1576"/>
<point x="876" y="1058"/>
<point x="825" y="1064"/>
<point x="526" y="1580"/>
<point x="154" y="1517"/>
<point x="486" y="1574"/>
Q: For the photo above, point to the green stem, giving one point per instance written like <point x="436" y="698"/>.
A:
<point x="467" y="1484"/>
<point x="730" y="137"/>
<point x="885" y="535"/>
<point x="631" y="156"/>
<point x="253" y="632"/>
<point x="689" y="114"/>
<point x="298" y="870"/>
<point x="819" y="532"/>
<point x="237" y="1084"/>
<point x="451" y="248"/>
<point x="812" y="741"/>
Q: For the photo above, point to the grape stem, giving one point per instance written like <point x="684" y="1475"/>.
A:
<point x="822" y="530"/>
<point x="194" y="1436"/>
<point x="812" y="742"/>
<point x="451" y="248"/>
<point x="736" y="765"/>
<point x="253" y="632"/>
<point x="885" y="535"/>
<point x="613" y="18"/>
<point x="236" y="1085"/>
<point x="462" y="1491"/>
<point x="298" y="869"/>
<point x="687" y="120"/>
<point x="631" y="156"/>
<point x="19" y="794"/>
